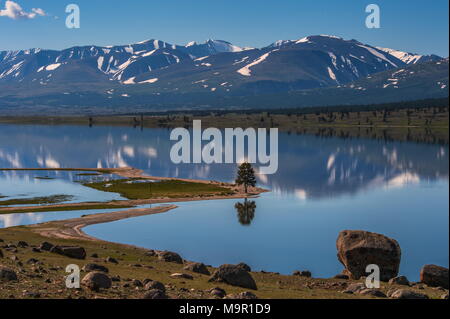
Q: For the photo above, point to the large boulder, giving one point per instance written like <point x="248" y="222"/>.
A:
<point x="357" y="249"/>
<point x="234" y="275"/>
<point x="7" y="274"/>
<point x="69" y="251"/>
<point x="434" y="276"/>
<point x="97" y="280"/>
<point x="169" y="256"/>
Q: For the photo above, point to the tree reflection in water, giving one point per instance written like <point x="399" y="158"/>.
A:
<point x="245" y="212"/>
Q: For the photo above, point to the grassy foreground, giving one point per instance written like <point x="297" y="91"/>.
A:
<point x="47" y="276"/>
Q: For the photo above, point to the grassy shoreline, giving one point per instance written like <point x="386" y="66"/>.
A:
<point x="425" y="125"/>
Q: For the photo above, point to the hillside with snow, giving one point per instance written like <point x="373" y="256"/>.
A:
<point x="155" y="71"/>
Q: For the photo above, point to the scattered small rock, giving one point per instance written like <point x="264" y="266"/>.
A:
<point x="155" y="294"/>
<point x="70" y="251"/>
<point x="7" y="274"/>
<point x="373" y="292"/>
<point x="354" y="288"/>
<point x="153" y="284"/>
<point x="115" y="278"/>
<point x="181" y="276"/>
<point x="94" y="255"/>
<point x="46" y="246"/>
<point x="341" y="276"/>
<point x="407" y="294"/>
<point x="242" y="295"/>
<point x="303" y="273"/>
<point x="32" y="261"/>
<point x="30" y="294"/>
<point x="22" y="244"/>
<point x="151" y="253"/>
<point x="95" y="267"/>
<point x="217" y="292"/>
<point x="400" y="280"/>
<point x="137" y="283"/>
<point x="198" y="268"/>
<point x="111" y="260"/>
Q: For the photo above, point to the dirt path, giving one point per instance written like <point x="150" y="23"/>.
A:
<point x="72" y="228"/>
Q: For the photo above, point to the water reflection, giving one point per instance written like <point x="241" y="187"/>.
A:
<point x="309" y="166"/>
<point x="245" y="212"/>
<point x="31" y="184"/>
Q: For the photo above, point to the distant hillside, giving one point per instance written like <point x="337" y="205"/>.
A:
<point x="155" y="75"/>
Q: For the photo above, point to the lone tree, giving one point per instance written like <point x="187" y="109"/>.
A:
<point x="246" y="176"/>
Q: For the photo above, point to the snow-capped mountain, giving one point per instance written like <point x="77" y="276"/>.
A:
<point x="215" y="67"/>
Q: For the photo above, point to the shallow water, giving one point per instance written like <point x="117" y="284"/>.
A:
<point x="323" y="186"/>
<point x="31" y="184"/>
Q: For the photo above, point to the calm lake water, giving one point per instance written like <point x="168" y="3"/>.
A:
<point x="323" y="186"/>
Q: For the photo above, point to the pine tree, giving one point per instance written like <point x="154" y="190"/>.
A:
<point x="246" y="176"/>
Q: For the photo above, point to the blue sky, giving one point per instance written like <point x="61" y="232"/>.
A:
<point x="412" y="25"/>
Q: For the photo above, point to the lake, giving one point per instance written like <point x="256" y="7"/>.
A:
<point x="323" y="186"/>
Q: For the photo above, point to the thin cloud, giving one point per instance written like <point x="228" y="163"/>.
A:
<point x="14" y="11"/>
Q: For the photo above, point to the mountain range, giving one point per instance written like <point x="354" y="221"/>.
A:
<point x="154" y="74"/>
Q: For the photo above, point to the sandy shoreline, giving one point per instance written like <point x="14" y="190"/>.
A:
<point x="72" y="228"/>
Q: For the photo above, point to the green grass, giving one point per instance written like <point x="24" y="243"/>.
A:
<point x="54" y="199"/>
<point x="131" y="189"/>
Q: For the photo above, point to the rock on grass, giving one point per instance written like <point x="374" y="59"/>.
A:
<point x="69" y="251"/>
<point x="181" y="276"/>
<point x="400" y="280"/>
<point x="434" y="276"/>
<point x="7" y="274"/>
<point x="199" y="268"/>
<point x="153" y="284"/>
<point x="95" y="267"/>
<point x="169" y="256"/>
<point x="155" y="294"/>
<point x="357" y="249"/>
<point x="407" y="294"/>
<point x="242" y="295"/>
<point x="234" y="276"/>
<point x="97" y="280"/>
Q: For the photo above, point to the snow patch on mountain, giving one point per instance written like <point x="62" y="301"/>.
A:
<point x="408" y="58"/>
<point x="377" y="54"/>
<point x="245" y="71"/>
<point x="149" y="81"/>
